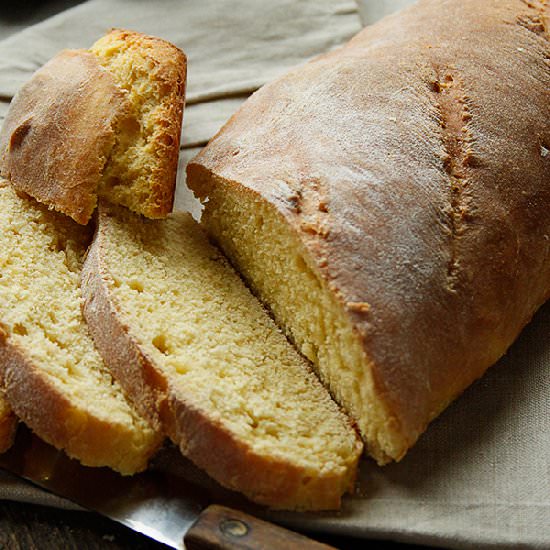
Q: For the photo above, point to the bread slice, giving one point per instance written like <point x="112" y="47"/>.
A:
<point x="198" y="353"/>
<point x="8" y="424"/>
<point x="390" y="203"/>
<point x="52" y="375"/>
<point x="104" y="121"/>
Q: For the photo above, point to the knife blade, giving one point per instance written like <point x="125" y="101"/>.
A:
<point x="161" y="503"/>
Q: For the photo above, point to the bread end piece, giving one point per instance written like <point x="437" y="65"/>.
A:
<point x="141" y="171"/>
<point x="59" y="131"/>
<point x="105" y="120"/>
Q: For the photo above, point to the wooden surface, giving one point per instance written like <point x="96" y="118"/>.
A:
<point x="30" y="527"/>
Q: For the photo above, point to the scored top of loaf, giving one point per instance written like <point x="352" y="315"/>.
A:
<point x="412" y="167"/>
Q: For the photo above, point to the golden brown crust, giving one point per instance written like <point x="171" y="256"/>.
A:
<point x="8" y="424"/>
<point x="413" y="166"/>
<point x="146" y="386"/>
<point x="201" y="437"/>
<point x="270" y="481"/>
<point x="59" y="130"/>
<point x="54" y="418"/>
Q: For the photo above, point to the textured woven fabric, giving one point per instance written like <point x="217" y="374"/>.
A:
<point x="233" y="46"/>
<point x="479" y="477"/>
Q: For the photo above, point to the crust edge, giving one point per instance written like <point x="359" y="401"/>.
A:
<point x="268" y="481"/>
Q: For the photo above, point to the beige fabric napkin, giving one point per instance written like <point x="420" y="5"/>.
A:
<point x="233" y="46"/>
<point x="479" y="477"/>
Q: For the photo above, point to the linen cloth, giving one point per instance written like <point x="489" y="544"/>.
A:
<point x="479" y="477"/>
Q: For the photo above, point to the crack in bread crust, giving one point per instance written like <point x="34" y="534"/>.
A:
<point x="535" y="22"/>
<point x="368" y="118"/>
<point x="458" y="159"/>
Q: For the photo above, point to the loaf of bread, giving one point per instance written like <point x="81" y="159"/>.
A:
<point x="199" y="355"/>
<point x="390" y="203"/>
<point x="53" y="377"/>
<point x="8" y="424"/>
<point x="104" y="121"/>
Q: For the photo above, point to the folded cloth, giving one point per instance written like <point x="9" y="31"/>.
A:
<point x="233" y="46"/>
<point x="371" y="11"/>
<point x="479" y="477"/>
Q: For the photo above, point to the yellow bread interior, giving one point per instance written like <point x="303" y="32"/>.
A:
<point x="136" y="174"/>
<point x="193" y="316"/>
<point x="263" y="248"/>
<point x="40" y="314"/>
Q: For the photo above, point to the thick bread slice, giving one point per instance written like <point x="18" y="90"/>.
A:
<point x="8" y="424"/>
<point x="390" y="202"/>
<point x="101" y="121"/>
<point x="196" y="350"/>
<point x="52" y="375"/>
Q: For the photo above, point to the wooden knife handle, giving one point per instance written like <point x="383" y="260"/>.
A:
<point x="221" y="528"/>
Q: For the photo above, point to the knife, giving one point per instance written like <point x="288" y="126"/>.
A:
<point x="161" y="503"/>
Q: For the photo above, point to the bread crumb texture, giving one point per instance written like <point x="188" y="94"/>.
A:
<point x="140" y="172"/>
<point x="40" y="317"/>
<point x="192" y="314"/>
<point x="280" y="274"/>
